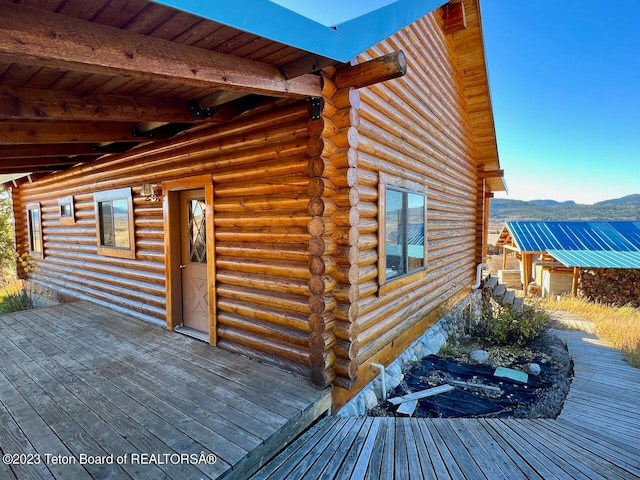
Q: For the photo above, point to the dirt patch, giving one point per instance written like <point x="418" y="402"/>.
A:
<point x="486" y="395"/>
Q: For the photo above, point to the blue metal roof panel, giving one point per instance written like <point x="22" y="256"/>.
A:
<point x="532" y="236"/>
<point x="597" y="258"/>
<point x="342" y="43"/>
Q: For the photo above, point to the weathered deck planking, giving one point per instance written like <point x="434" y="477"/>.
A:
<point x="82" y="379"/>
<point x="595" y="437"/>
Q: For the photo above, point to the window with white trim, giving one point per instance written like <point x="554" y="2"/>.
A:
<point x="402" y="249"/>
<point x="34" y="227"/>
<point x="114" y="223"/>
<point x="66" y="210"/>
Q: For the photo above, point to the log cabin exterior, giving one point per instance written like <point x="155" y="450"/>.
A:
<point x="343" y="205"/>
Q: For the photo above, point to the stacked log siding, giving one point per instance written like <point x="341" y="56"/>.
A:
<point x="414" y="128"/>
<point x="260" y="171"/>
<point x="260" y="217"/>
<point x="296" y="187"/>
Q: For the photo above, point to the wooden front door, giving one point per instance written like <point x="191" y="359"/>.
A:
<point x="193" y="265"/>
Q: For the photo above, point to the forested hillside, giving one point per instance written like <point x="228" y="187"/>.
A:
<point x="625" y="208"/>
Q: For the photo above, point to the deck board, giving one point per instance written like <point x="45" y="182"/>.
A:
<point x="79" y="379"/>
<point x="429" y="455"/>
<point x="596" y="436"/>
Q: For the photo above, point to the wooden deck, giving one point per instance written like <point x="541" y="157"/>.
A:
<point x="597" y="435"/>
<point x="78" y="379"/>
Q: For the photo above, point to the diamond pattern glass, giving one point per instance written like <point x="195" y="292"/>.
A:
<point x="197" y="231"/>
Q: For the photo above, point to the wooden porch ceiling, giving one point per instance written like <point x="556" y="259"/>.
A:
<point x="79" y="79"/>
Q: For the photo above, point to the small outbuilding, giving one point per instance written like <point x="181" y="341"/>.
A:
<point x="601" y="258"/>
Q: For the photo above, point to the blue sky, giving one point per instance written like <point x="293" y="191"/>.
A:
<point x="565" y="80"/>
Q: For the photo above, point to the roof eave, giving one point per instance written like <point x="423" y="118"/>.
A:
<point x="341" y="43"/>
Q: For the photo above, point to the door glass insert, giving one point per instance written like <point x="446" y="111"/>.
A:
<point x="197" y="231"/>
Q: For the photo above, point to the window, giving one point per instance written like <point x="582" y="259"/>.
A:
<point x="66" y="210"/>
<point x="404" y="238"/>
<point x="402" y="246"/>
<point x="34" y="227"/>
<point x="114" y="222"/>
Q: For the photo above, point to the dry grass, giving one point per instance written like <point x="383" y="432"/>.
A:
<point x="618" y="325"/>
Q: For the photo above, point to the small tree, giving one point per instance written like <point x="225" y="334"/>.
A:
<point x="7" y="240"/>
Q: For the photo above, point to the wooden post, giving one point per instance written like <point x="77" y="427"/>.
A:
<point x="574" y="286"/>
<point x="526" y="269"/>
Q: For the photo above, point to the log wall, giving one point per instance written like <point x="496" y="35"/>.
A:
<point x="414" y="128"/>
<point x="296" y="217"/>
<point x="263" y="215"/>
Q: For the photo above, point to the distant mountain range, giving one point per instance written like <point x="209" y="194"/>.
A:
<point x="625" y="208"/>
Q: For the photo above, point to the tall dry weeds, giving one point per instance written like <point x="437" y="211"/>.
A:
<point x="620" y="326"/>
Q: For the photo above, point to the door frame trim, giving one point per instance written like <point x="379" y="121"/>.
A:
<point x="171" y="218"/>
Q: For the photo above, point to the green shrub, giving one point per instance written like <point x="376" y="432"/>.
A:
<point x="16" y="302"/>
<point x="501" y="325"/>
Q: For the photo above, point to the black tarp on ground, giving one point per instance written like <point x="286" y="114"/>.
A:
<point x="470" y="402"/>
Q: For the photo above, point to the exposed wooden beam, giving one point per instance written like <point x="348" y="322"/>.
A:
<point x="43" y="169"/>
<point x="46" y="132"/>
<point x="387" y="67"/>
<point x="35" y="37"/>
<point x="28" y="163"/>
<point x="35" y="104"/>
<point x="454" y="17"/>
<point x="48" y="150"/>
<point x="491" y="174"/>
<point x="306" y="64"/>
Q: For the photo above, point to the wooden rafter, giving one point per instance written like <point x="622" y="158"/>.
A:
<point x="35" y="37"/>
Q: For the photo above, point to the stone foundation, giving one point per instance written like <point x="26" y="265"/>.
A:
<point x="429" y="343"/>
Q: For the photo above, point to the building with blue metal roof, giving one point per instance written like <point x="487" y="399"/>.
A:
<point x="579" y="243"/>
<point x="575" y="245"/>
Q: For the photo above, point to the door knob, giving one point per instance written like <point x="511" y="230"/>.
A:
<point x="182" y="266"/>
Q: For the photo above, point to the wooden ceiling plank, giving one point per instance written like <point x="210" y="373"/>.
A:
<point x="149" y="18"/>
<point x="34" y="37"/>
<point x="43" y="78"/>
<point x="18" y="74"/>
<point x="82" y="9"/>
<point x="200" y="30"/>
<point x="117" y="13"/>
<point x="181" y="22"/>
